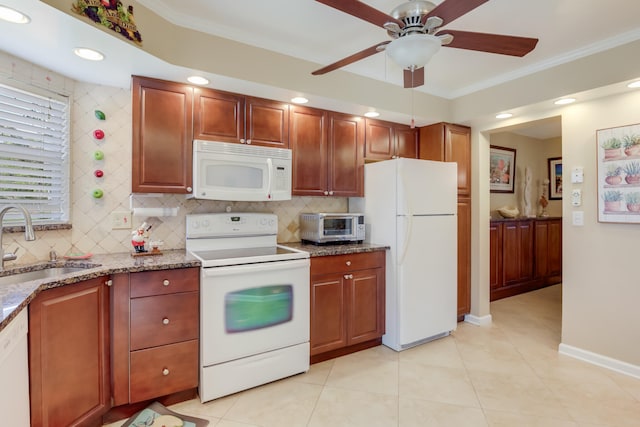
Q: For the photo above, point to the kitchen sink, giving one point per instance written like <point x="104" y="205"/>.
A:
<point x="45" y="273"/>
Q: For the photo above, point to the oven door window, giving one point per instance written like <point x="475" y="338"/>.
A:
<point x="338" y="227"/>
<point x="257" y="308"/>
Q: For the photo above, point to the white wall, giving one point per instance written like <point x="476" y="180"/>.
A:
<point x="601" y="290"/>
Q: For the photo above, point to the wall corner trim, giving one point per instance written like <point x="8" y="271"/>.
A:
<point x="600" y="360"/>
<point x="478" y="320"/>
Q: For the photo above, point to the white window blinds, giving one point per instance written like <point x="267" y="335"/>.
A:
<point x="34" y="156"/>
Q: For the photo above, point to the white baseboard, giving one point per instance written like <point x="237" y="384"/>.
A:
<point x="478" y="320"/>
<point x="600" y="360"/>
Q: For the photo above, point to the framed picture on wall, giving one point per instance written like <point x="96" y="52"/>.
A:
<point x="502" y="169"/>
<point x="555" y="178"/>
<point x="618" y="151"/>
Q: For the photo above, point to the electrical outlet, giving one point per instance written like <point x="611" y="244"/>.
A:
<point x="120" y="220"/>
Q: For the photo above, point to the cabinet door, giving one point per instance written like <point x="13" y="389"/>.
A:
<point x="267" y="122"/>
<point x="366" y="305"/>
<point x="517" y="252"/>
<point x="346" y="155"/>
<point x="308" y="139"/>
<point x="69" y="355"/>
<point x="457" y="148"/>
<point x="495" y="255"/>
<point x="162" y="137"/>
<point x="542" y="246"/>
<point x="328" y="313"/>
<point x="379" y="140"/>
<point x="447" y="142"/>
<point x="464" y="256"/>
<point x="554" y="254"/>
<point x="218" y="116"/>
<point x="406" y="142"/>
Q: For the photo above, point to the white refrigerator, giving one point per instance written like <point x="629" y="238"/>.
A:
<point x="410" y="205"/>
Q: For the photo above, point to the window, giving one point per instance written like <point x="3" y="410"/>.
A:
<point x="34" y="155"/>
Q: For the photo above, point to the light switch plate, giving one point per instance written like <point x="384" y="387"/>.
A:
<point x="576" y="197"/>
<point x="577" y="175"/>
<point x="120" y="220"/>
<point x="578" y="218"/>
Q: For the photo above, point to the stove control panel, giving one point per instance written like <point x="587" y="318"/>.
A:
<point x="231" y="224"/>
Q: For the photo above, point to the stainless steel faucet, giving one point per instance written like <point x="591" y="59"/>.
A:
<point x="29" y="234"/>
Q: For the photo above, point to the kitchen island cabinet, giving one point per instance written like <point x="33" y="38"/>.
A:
<point x="69" y="354"/>
<point x="327" y="153"/>
<point x="347" y="303"/>
<point x="387" y="140"/>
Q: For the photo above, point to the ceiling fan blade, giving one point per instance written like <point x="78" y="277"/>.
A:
<point x="362" y="11"/>
<point x="414" y="78"/>
<point x="450" y="10"/>
<point x="492" y="43"/>
<point x="351" y="59"/>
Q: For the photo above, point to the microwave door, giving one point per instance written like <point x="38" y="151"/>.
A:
<point x="269" y="177"/>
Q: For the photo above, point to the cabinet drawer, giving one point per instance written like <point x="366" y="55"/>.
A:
<point x="163" y="370"/>
<point x="160" y="282"/>
<point x="164" y="319"/>
<point x="352" y="262"/>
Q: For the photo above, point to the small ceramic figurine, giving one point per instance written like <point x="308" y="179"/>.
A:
<point x="139" y="237"/>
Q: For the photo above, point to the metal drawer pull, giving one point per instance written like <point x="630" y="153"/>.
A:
<point x="109" y="282"/>
<point x="165" y="282"/>
<point x="165" y="372"/>
<point x="165" y="321"/>
<point x="348" y="262"/>
<point x="348" y="276"/>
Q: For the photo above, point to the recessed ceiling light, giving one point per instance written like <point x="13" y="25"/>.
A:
<point x="197" y="80"/>
<point x="371" y="114"/>
<point x="90" y="54"/>
<point x="504" y="115"/>
<point x="12" y="15"/>
<point x="565" y="101"/>
<point x="634" y="85"/>
<point x="299" y="100"/>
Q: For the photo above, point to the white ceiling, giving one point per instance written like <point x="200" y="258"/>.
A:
<point x="314" y="32"/>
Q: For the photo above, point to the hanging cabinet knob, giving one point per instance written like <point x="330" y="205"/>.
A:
<point x="348" y="276"/>
<point x="348" y="262"/>
<point x="165" y="282"/>
<point x="165" y="321"/>
<point x="190" y="190"/>
<point x="165" y="372"/>
<point x="109" y="282"/>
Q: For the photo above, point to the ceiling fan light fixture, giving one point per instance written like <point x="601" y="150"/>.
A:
<point x="413" y="50"/>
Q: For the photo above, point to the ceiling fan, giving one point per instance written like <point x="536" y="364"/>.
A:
<point x="416" y="34"/>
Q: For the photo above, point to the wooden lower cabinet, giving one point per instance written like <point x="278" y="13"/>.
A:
<point x="525" y="254"/>
<point x="347" y="303"/>
<point x="69" y="354"/>
<point x="464" y="257"/>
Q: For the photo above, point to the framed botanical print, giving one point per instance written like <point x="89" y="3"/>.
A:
<point x="502" y="169"/>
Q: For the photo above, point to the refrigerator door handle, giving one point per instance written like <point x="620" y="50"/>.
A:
<point x="409" y="213"/>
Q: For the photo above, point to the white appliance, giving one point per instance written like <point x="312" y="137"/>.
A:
<point x="14" y="371"/>
<point x="240" y="172"/>
<point x="254" y="302"/>
<point x="411" y="206"/>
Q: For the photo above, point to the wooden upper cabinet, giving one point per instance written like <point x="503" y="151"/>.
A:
<point x="162" y="137"/>
<point x="387" y="140"/>
<point x="228" y="117"/>
<point x="327" y="153"/>
<point x="308" y="138"/>
<point x="448" y="142"/>
<point x="346" y="155"/>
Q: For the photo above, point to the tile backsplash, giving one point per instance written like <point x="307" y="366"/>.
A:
<point x="91" y="218"/>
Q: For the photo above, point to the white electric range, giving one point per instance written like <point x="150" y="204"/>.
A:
<point x="254" y="302"/>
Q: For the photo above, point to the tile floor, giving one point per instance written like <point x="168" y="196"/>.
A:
<point x="508" y="374"/>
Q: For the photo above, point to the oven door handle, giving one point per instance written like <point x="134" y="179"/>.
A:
<point x="251" y="268"/>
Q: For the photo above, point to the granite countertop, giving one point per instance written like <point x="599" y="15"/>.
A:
<point x="537" y="218"/>
<point x="338" y="249"/>
<point x="16" y="296"/>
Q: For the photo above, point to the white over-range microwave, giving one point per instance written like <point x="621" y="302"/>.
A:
<point x="240" y="172"/>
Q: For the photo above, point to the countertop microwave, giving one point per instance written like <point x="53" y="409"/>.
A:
<point x="240" y="172"/>
<point x="323" y="228"/>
